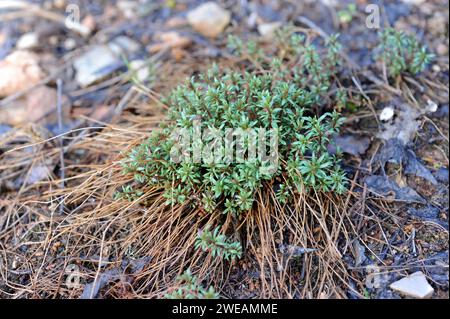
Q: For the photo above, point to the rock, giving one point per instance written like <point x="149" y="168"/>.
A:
<point x="209" y="19"/>
<point x="178" y="54"/>
<point x="414" y="285"/>
<point x="60" y="4"/>
<point x="169" y="40"/>
<point x="128" y="8"/>
<point x="176" y="22"/>
<point x="437" y="23"/>
<point x="414" y="2"/>
<point x="2" y="38"/>
<point x="38" y="105"/>
<point x="123" y="45"/>
<point x="330" y="3"/>
<point x="53" y="40"/>
<point x="69" y="44"/>
<point x="442" y="49"/>
<point x="252" y="20"/>
<point x="101" y="60"/>
<point x="89" y="22"/>
<point x="19" y="71"/>
<point x="94" y="65"/>
<point x="140" y="69"/>
<point x="27" y="41"/>
<point x="431" y="107"/>
<point x="436" y="68"/>
<point x="267" y="30"/>
<point x="359" y="253"/>
<point x="38" y="173"/>
<point x="387" y="114"/>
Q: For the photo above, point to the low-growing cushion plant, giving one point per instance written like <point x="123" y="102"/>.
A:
<point x="402" y="52"/>
<point x="245" y="101"/>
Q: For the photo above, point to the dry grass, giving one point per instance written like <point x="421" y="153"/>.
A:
<point x="97" y="233"/>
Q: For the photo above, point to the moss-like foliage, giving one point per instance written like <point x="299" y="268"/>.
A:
<point x="275" y="100"/>
<point x="191" y="289"/>
<point x="402" y="53"/>
<point x="248" y="102"/>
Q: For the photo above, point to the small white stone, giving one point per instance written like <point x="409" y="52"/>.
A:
<point x="141" y="70"/>
<point x="414" y="285"/>
<point x="436" y="68"/>
<point x="387" y="114"/>
<point x="69" y="44"/>
<point x="27" y="41"/>
<point x="414" y="2"/>
<point x="93" y="65"/>
<point x="209" y="19"/>
<point x="329" y="3"/>
<point x="267" y="30"/>
<point x="431" y="106"/>
<point x="252" y="19"/>
<point x="128" y="8"/>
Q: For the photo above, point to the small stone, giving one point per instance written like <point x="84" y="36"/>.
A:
<point x="442" y="49"/>
<point x="414" y="2"/>
<point x="209" y="19"/>
<point x="123" y="45"/>
<point x="27" y="41"/>
<point x="69" y="44"/>
<point x="431" y="106"/>
<point x="60" y="4"/>
<point x="176" y="22"/>
<point x="38" y="105"/>
<point x="330" y="3"/>
<point x="387" y="114"/>
<point x="169" y="40"/>
<point x="140" y="69"/>
<point x="94" y="65"/>
<point x="437" y="23"/>
<point x="267" y="30"/>
<point x="414" y="285"/>
<point x="252" y="20"/>
<point x="19" y="71"/>
<point x="89" y="22"/>
<point x="436" y="68"/>
<point x="102" y="60"/>
<point x="2" y="38"/>
<point x="128" y="8"/>
<point x="359" y="253"/>
<point x="178" y="54"/>
<point x="53" y="40"/>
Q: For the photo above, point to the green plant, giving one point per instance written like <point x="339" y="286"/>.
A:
<point x="190" y="289"/>
<point x="274" y="104"/>
<point x="128" y="193"/>
<point x="402" y="53"/>
<point x="218" y="244"/>
<point x="346" y="15"/>
<point x="245" y="101"/>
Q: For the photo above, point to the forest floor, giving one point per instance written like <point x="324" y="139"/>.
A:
<point x="63" y="127"/>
